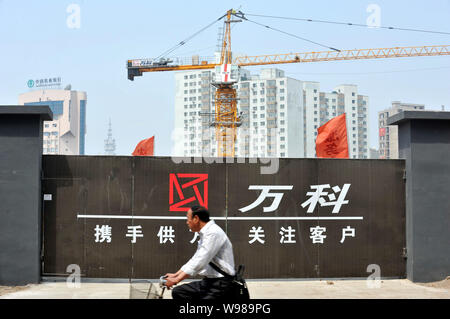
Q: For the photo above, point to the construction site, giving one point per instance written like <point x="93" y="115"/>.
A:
<point x="334" y="224"/>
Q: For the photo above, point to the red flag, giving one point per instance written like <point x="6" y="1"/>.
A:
<point x="145" y="147"/>
<point x="331" y="141"/>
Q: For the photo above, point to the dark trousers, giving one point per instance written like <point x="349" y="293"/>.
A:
<point x="205" y="289"/>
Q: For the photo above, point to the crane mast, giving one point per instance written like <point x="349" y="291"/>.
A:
<point x="226" y="119"/>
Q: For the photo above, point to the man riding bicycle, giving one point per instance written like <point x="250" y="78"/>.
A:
<point x="213" y="247"/>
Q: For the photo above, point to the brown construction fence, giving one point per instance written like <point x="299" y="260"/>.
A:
<point x="125" y="217"/>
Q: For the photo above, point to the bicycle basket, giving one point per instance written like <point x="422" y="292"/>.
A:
<point x="144" y="289"/>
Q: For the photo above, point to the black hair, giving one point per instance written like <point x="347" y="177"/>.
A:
<point x="201" y="212"/>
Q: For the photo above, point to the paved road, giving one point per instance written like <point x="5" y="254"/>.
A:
<point x="342" y="289"/>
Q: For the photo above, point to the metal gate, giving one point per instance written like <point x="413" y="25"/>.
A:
<point x="124" y="217"/>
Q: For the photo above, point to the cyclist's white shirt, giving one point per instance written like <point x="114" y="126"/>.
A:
<point x="214" y="246"/>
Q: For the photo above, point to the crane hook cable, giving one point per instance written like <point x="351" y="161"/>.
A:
<point x="349" y="23"/>
<point x="188" y="38"/>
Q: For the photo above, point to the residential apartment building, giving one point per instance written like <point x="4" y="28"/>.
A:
<point x="272" y="121"/>
<point x="320" y="107"/>
<point x="280" y="115"/>
<point x="388" y="134"/>
<point x="66" y="133"/>
<point x="193" y="96"/>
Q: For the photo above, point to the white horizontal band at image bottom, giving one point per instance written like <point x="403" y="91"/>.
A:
<point x="219" y="218"/>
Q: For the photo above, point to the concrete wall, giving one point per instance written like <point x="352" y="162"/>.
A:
<point x="424" y="141"/>
<point x="20" y="193"/>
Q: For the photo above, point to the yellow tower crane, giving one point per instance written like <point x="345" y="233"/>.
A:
<point x="226" y="118"/>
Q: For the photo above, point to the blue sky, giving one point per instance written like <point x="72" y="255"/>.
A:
<point x="36" y="42"/>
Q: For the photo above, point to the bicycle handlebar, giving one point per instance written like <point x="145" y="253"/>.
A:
<point x="162" y="281"/>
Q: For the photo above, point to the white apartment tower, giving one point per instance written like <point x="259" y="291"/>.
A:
<point x="271" y="106"/>
<point x="280" y="115"/>
<point x="66" y="133"/>
<point x="320" y="107"/>
<point x="388" y="134"/>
